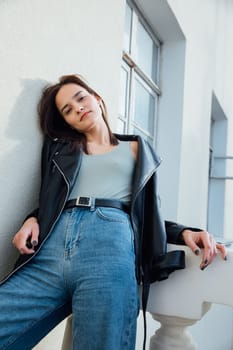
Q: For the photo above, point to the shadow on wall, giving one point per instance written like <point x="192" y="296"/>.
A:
<point x="20" y="168"/>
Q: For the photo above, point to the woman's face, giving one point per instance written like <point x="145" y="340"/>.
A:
<point x="79" y="108"/>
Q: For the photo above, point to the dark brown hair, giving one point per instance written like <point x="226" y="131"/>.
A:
<point x="53" y="124"/>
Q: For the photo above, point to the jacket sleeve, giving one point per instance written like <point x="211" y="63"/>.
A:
<point x="174" y="232"/>
<point x="44" y="160"/>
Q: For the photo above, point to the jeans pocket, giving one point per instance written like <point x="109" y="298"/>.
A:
<point x="112" y="214"/>
<point x="118" y="225"/>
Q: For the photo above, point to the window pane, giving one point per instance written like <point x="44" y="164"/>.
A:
<point x="123" y="103"/>
<point x="147" y="52"/>
<point x="127" y="32"/>
<point x="144" y="108"/>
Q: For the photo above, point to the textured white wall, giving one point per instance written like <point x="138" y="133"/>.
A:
<point x="41" y="40"/>
<point x="197" y="20"/>
<point x="207" y="26"/>
<point x="223" y="89"/>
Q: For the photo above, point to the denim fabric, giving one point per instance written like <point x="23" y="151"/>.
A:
<point x="86" y="266"/>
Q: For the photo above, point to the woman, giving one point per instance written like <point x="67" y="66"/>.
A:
<point x="96" y="234"/>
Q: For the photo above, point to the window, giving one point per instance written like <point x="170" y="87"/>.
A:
<point x="220" y="194"/>
<point x="139" y="77"/>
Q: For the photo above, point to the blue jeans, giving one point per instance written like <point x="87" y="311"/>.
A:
<point x="87" y="267"/>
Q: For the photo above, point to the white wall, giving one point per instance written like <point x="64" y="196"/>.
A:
<point x="199" y="67"/>
<point x="207" y="26"/>
<point x="41" y="40"/>
<point x="223" y="88"/>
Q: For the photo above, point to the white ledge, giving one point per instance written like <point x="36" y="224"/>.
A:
<point x="186" y="292"/>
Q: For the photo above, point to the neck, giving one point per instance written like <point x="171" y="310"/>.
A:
<point x="99" y="136"/>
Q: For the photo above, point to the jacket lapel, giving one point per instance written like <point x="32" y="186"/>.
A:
<point x="68" y="162"/>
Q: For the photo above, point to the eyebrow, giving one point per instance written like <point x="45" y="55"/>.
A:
<point x="73" y="97"/>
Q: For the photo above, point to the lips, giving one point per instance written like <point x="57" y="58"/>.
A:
<point x="83" y="116"/>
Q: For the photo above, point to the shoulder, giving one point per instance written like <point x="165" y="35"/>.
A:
<point x="140" y="147"/>
<point x="134" y="148"/>
<point x="132" y="140"/>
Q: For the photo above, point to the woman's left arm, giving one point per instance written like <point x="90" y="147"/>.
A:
<point x="194" y="238"/>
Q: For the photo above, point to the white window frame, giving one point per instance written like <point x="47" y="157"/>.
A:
<point x="134" y="72"/>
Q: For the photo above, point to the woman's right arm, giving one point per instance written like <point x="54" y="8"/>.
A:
<point x="27" y="237"/>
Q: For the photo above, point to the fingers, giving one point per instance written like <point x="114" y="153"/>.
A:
<point x="202" y="239"/>
<point x="20" y="242"/>
<point x="223" y="250"/>
<point x="26" y="238"/>
<point x="189" y="240"/>
<point x="26" y="250"/>
<point x="35" y="235"/>
<point x="211" y="250"/>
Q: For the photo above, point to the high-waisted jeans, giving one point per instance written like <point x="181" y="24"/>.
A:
<point x="87" y="267"/>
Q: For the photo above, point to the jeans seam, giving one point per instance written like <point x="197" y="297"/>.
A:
<point x="70" y="230"/>
<point x="128" y="329"/>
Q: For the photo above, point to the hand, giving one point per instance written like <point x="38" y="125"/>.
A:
<point x="27" y="236"/>
<point x="202" y="239"/>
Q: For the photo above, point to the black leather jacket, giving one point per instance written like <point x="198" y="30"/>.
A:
<point x="60" y="167"/>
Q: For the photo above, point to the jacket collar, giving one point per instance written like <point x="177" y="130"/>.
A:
<point x="147" y="158"/>
<point x="147" y="163"/>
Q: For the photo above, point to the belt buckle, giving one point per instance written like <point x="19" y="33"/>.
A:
<point x="84" y="201"/>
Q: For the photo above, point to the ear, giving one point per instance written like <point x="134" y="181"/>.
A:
<point x="99" y="99"/>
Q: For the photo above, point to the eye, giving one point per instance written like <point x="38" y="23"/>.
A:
<point x="67" y="111"/>
<point x="81" y="98"/>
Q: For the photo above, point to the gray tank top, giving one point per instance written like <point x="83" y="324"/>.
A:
<point x="107" y="175"/>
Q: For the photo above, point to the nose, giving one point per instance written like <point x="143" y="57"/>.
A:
<point x="78" y="108"/>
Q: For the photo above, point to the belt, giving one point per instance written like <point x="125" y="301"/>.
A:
<point x="92" y="203"/>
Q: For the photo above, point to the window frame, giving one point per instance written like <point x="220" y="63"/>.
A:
<point x="129" y="64"/>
